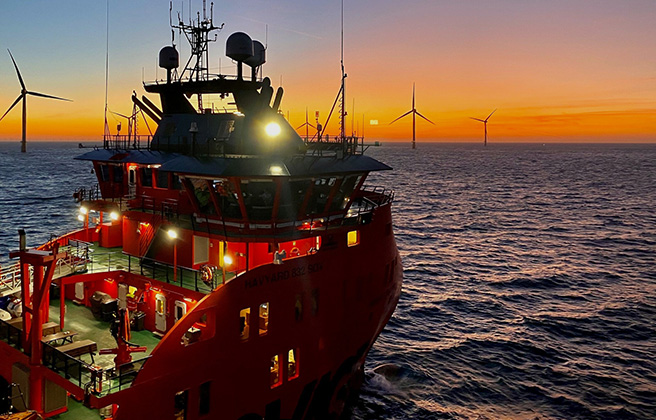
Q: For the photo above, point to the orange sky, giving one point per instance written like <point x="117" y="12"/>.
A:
<point x="556" y="71"/>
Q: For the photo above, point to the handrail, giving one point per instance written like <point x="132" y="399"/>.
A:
<point x="92" y="379"/>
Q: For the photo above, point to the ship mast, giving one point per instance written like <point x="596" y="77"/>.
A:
<point x="198" y="35"/>
<point x="342" y="120"/>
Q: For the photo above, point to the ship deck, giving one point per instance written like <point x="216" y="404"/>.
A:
<point x="79" y="319"/>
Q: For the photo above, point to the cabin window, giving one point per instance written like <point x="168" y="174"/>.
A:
<point x="177" y="183"/>
<point x="353" y="238"/>
<point x="320" y="194"/>
<point x="181" y="405"/>
<point x="291" y="198"/>
<point x="258" y="198"/>
<point x="162" y="179"/>
<point x="203" y="328"/>
<point x="292" y="364"/>
<point x="104" y="172"/>
<point x="227" y="198"/>
<point x="315" y="302"/>
<point x="204" y="394"/>
<point x="146" y="177"/>
<point x="264" y="318"/>
<point x="118" y="174"/>
<point x="244" y="323"/>
<point x="276" y="378"/>
<point x="298" y="308"/>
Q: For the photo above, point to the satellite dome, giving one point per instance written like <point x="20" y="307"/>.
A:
<point x="239" y="46"/>
<point x="169" y="58"/>
<point x="259" y="55"/>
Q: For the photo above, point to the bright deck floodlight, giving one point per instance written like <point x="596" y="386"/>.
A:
<point x="272" y="129"/>
<point x="172" y="234"/>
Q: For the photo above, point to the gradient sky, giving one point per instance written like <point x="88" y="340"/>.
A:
<point x="557" y="70"/>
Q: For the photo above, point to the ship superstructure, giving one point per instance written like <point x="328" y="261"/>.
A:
<point x="226" y="268"/>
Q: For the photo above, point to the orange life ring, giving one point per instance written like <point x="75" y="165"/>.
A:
<point x="206" y="274"/>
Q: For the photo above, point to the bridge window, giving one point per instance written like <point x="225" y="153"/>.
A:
<point x="320" y="193"/>
<point x="202" y="194"/>
<point x="264" y="318"/>
<point x="244" y="323"/>
<point x="291" y="198"/>
<point x="276" y="377"/>
<point x="258" y="198"/>
<point x="344" y="193"/>
<point x="227" y="198"/>
<point x="353" y="238"/>
<point x="292" y="364"/>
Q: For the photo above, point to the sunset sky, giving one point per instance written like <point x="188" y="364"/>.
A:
<point x="557" y="70"/>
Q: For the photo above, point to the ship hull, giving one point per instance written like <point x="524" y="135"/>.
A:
<point x="346" y="295"/>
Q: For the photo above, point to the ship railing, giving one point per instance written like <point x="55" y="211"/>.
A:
<point x="10" y="278"/>
<point x="129" y="141"/>
<point x="325" y="145"/>
<point x="167" y="208"/>
<point x="87" y="194"/>
<point x="187" y="278"/>
<point x="91" y="378"/>
<point x="11" y="334"/>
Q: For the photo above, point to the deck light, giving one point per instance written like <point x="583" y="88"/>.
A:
<point x="80" y="217"/>
<point x="113" y="215"/>
<point x="172" y="234"/>
<point x="227" y="260"/>
<point x="272" y="129"/>
<point x="275" y="169"/>
<point x="84" y="210"/>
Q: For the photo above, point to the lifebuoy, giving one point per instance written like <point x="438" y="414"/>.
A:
<point x="207" y="274"/>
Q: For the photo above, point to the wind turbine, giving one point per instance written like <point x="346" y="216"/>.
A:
<point x="23" y="97"/>
<point x="307" y="125"/>
<point x="485" y="124"/>
<point x="414" y="113"/>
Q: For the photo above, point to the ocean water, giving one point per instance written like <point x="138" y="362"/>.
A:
<point x="530" y="275"/>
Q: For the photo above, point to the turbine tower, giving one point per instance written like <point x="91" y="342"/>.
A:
<point x="414" y="113"/>
<point x="307" y="126"/>
<point x="23" y="97"/>
<point x="485" y="124"/>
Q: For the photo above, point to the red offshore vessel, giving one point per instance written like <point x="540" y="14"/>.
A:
<point x="226" y="268"/>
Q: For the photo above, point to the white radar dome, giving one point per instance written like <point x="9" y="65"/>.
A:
<point x="169" y="58"/>
<point x="259" y="55"/>
<point x="239" y="46"/>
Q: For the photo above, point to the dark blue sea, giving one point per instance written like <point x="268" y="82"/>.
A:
<point x="530" y="275"/>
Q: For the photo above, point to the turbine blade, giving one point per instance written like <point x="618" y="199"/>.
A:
<point x="301" y="126"/>
<point x="477" y="119"/>
<point x="43" y="95"/>
<point x="20" y="78"/>
<point x="409" y="112"/>
<point x="12" y="105"/>
<point x="120" y="115"/>
<point x="425" y="118"/>
<point x="488" y="117"/>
